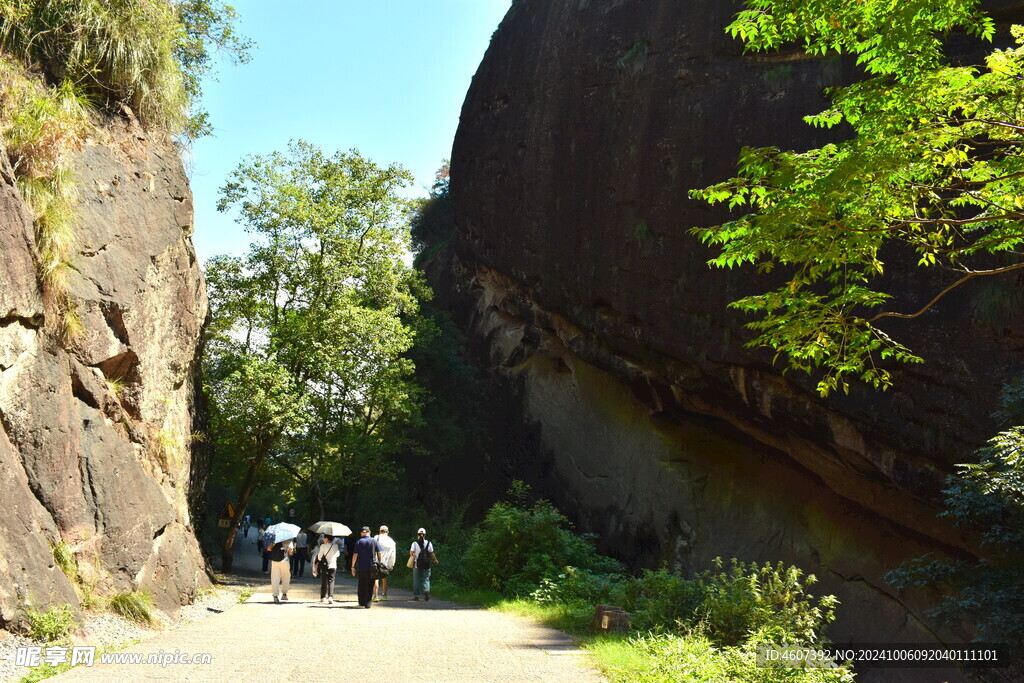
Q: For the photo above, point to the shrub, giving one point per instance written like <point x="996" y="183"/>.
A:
<point x="768" y="598"/>
<point x="988" y="496"/>
<point x="51" y="625"/>
<point x="658" y="600"/>
<point x="135" y="606"/>
<point x="576" y="586"/>
<point x="515" y="548"/>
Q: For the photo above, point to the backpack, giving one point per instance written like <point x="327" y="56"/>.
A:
<point x="423" y="558"/>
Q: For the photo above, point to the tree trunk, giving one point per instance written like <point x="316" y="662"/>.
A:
<point x="244" y="493"/>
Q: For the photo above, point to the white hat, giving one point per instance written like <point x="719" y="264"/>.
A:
<point x="421" y="530"/>
<point x="383" y="528"/>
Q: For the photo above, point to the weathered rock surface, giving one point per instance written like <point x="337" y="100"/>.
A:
<point x="642" y="413"/>
<point x="95" y="431"/>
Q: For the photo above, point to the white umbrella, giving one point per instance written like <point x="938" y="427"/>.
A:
<point x="282" y="531"/>
<point x="331" y="529"/>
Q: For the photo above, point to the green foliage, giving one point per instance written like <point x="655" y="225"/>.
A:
<point x="135" y="606"/>
<point x="44" y="671"/>
<point x="514" y="548"/>
<point x="51" y="625"/>
<point x="244" y="594"/>
<point x="324" y="304"/>
<point x="704" y="628"/>
<point x="432" y="221"/>
<point x="888" y="38"/>
<point x="658" y="600"/>
<point x="768" y="600"/>
<point x="989" y="592"/>
<point x="42" y="128"/>
<point x="64" y="557"/>
<point x="695" y="658"/>
<point x="146" y="54"/>
<point x="934" y="164"/>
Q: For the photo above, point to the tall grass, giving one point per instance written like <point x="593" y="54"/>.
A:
<point x="42" y="128"/>
<point x="118" y="51"/>
<point x="64" y="557"/>
<point x="135" y="606"/>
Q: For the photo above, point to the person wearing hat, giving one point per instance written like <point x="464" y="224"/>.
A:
<point x="362" y="559"/>
<point x="423" y="558"/>
<point x="388" y="552"/>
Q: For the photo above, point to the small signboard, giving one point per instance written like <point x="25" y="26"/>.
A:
<point x="228" y="513"/>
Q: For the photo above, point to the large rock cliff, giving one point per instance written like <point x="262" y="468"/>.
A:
<point x="95" y="445"/>
<point x="641" y="412"/>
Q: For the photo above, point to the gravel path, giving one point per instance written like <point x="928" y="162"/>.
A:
<point x="404" y="640"/>
<point x="260" y="641"/>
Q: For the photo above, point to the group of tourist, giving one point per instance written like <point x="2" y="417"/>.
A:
<point x="289" y="557"/>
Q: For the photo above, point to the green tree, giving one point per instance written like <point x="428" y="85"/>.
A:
<point x="934" y="164"/>
<point x="324" y="294"/>
<point x="988" y="497"/>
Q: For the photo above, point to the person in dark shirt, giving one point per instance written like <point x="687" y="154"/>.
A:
<point x="280" y="569"/>
<point x="363" y="554"/>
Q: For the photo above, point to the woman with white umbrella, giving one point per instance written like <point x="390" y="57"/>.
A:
<point x="325" y="565"/>
<point x="325" y="562"/>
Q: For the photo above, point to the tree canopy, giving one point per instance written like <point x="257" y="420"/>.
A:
<point x="933" y="163"/>
<point x="321" y="310"/>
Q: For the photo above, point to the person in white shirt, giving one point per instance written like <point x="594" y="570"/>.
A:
<point x="389" y="552"/>
<point x="423" y="558"/>
<point x="325" y="565"/>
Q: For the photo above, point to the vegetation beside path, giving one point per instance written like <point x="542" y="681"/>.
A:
<point x="524" y="559"/>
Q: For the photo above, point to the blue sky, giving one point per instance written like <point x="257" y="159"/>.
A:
<point x="386" y="77"/>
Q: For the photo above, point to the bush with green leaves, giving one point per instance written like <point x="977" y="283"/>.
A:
<point x="988" y="498"/>
<point x="516" y="547"/>
<point x="51" y="625"/>
<point x="729" y="603"/>
<point x="989" y="592"/>
<point x="694" y="657"/>
<point x="576" y="586"/>
<point x="658" y="600"/>
<point x="770" y="599"/>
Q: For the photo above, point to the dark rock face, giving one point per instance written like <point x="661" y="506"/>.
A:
<point x="643" y="414"/>
<point x="95" y="432"/>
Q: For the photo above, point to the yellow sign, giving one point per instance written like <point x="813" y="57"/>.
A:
<point x="228" y="512"/>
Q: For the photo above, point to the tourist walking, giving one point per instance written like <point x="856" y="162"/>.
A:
<point x="423" y="558"/>
<point x="245" y="526"/>
<point x="388" y="552"/>
<point x="280" y="568"/>
<point x="299" y="556"/>
<point x="363" y="554"/>
<point x="325" y="564"/>
<point x="261" y="542"/>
